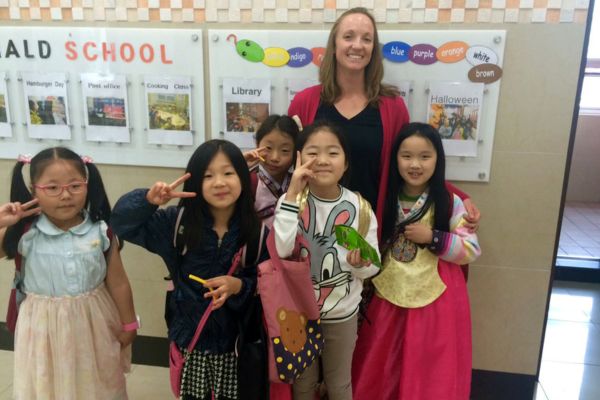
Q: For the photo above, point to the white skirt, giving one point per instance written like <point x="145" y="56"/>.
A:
<point x="66" y="348"/>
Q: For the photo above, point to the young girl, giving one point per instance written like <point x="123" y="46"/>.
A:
<point x="77" y="320"/>
<point x="337" y="274"/>
<point x="418" y="342"/>
<point x="274" y="158"/>
<point x="216" y="218"/>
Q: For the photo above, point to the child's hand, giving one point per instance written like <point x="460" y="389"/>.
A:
<point x="222" y="287"/>
<point x="11" y="213"/>
<point x="473" y="216"/>
<point x="302" y="174"/>
<point x="126" y="338"/>
<point x="161" y="193"/>
<point x="353" y="258"/>
<point x="418" y="233"/>
<point x="254" y="156"/>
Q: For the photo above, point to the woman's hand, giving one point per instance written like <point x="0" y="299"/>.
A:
<point x="161" y="193"/>
<point x="126" y="338"/>
<point x="302" y="174"/>
<point x="473" y="216"/>
<point x="222" y="287"/>
<point x="418" y="233"/>
<point x="11" y="213"/>
<point x="354" y="259"/>
<point x="252" y="157"/>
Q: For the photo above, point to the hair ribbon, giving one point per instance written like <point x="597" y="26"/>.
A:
<point x="87" y="160"/>
<point x="24" y="158"/>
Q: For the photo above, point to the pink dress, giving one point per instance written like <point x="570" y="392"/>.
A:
<point x="415" y="343"/>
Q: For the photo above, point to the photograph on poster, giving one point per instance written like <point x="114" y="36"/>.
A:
<point x="5" y="126"/>
<point x="169" y="110"/>
<point x="3" y="112"/>
<point x="245" y="117"/>
<point x="106" y="111"/>
<point x="46" y="104"/>
<point x="105" y="114"/>
<point x="454" y="109"/>
<point x="246" y="104"/>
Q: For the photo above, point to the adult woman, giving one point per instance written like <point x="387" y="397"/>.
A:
<point x="352" y="96"/>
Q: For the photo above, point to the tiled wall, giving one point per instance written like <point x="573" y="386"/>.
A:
<point x="294" y="11"/>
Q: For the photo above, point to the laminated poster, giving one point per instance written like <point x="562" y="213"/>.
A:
<point x="47" y="107"/>
<point x="5" y="127"/>
<point x="105" y="108"/>
<point x="454" y="108"/>
<point x="247" y="104"/>
<point x="169" y="110"/>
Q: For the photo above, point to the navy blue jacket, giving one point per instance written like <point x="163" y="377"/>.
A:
<point x="137" y="221"/>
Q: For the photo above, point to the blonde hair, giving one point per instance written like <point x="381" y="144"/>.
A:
<point x="374" y="88"/>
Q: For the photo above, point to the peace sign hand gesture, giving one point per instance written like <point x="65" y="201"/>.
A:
<point x="254" y="156"/>
<point x="302" y="174"/>
<point x="161" y="192"/>
<point x="11" y="213"/>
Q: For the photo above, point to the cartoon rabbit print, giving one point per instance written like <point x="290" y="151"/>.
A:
<point x="330" y="282"/>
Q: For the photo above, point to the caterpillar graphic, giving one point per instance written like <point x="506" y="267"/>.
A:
<point x="295" y="57"/>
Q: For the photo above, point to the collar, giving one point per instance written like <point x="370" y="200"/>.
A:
<point x="44" y="225"/>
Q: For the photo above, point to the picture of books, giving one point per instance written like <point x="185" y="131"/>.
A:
<point x="47" y="110"/>
<point x="169" y="112"/>
<point x="3" y="113"/>
<point x="106" y="111"/>
<point x="245" y="117"/>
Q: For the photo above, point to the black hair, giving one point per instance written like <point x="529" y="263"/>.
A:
<point x="327" y="126"/>
<point x="282" y="123"/>
<point x="438" y="196"/>
<point x="196" y="213"/>
<point x="96" y="202"/>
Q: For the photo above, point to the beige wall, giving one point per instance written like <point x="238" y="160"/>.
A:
<point x="520" y="205"/>
<point x="584" y="181"/>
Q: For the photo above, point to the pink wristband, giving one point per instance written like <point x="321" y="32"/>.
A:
<point x="132" y="326"/>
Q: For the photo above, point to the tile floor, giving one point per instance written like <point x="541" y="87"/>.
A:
<point x="580" y="233"/>
<point x="570" y="361"/>
<point x="571" y="356"/>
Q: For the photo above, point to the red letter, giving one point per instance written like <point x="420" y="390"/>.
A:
<point x="163" y="55"/>
<point x="106" y="51"/>
<point x="150" y="57"/>
<point x="71" y="52"/>
<point x="87" y="56"/>
<point x="129" y="57"/>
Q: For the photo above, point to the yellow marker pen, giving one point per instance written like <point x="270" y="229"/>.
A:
<point x="260" y="158"/>
<point x="198" y="279"/>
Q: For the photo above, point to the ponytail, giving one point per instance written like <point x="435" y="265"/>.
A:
<point x="97" y="200"/>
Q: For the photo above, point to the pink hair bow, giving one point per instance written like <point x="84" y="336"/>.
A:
<point x="24" y="158"/>
<point x="87" y="159"/>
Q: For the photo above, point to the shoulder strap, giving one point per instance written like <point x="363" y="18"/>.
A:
<point x="364" y="215"/>
<point x="236" y="260"/>
<point x="178" y="230"/>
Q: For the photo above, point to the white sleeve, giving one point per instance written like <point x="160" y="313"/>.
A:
<point x="285" y="225"/>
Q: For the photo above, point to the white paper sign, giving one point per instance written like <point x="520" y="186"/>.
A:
<point x="47" y="105"/>
<point x="105" y="107"/>
<point x="5" y="127"/>
<point x="246" y="104"/>
<point x="297" y="85"/>
<point x="168" y="110"/>
<point x="454" y="108"/>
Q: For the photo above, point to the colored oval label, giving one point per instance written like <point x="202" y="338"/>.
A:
<point x="318" y="54"/>
<point x="481" y="55"/>
<point x="485" y="73"/>
<point x="276" y="57"/>
<point x="452" y="52"/>
<point x="250" y="50"/>
<point x="299" y="57"/>
<point x="396" y="51"/>
<point x="422" y="54"/>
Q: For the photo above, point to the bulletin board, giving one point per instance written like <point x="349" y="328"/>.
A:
<point x="461" y="65"/>
<point x="121" y="96"/>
